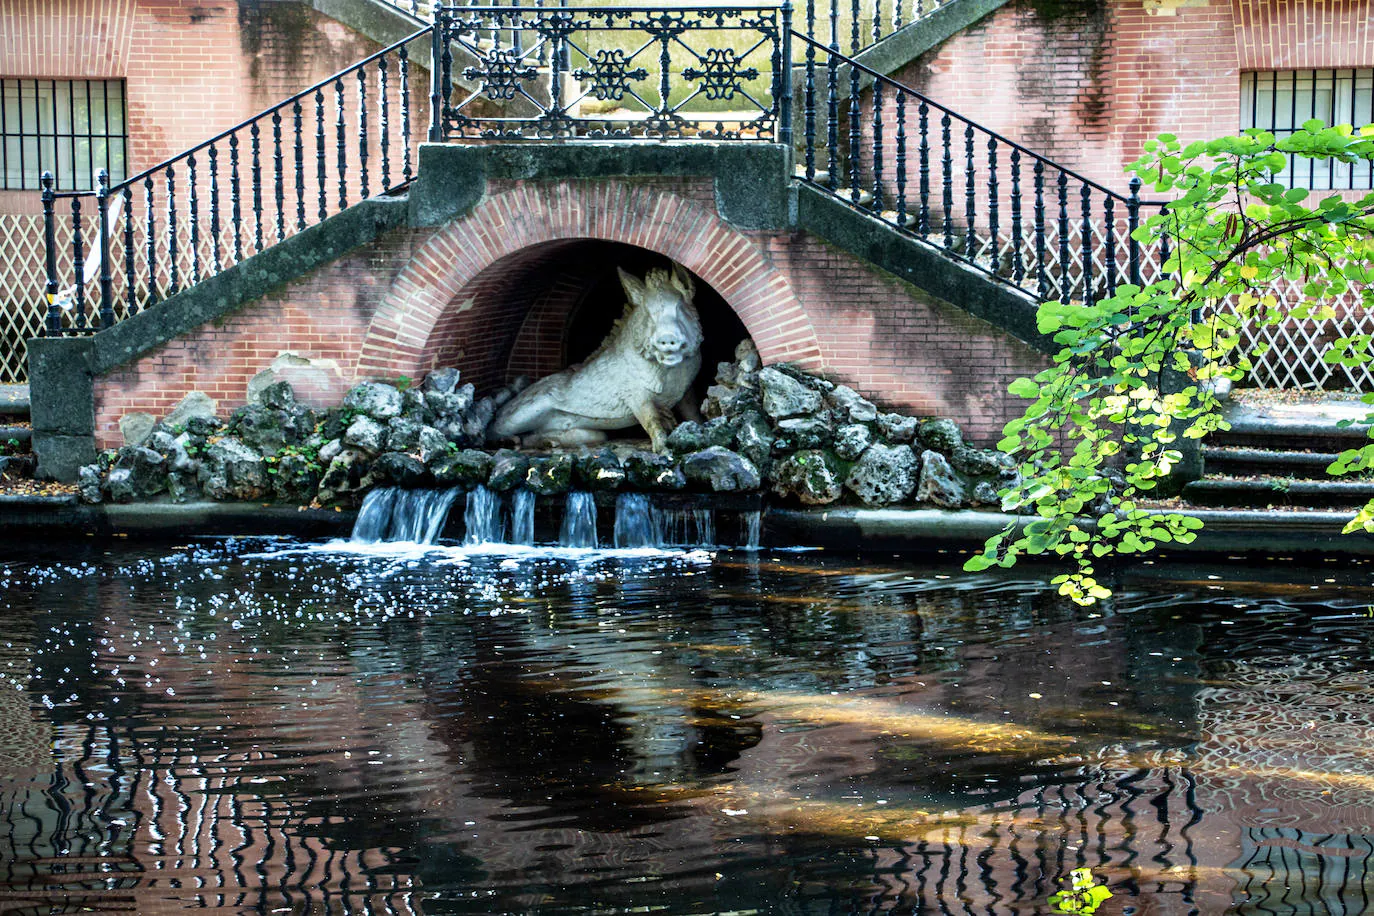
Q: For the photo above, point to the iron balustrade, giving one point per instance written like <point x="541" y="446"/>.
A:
<point x="567" y="73"/>
<point x="897" y="155"/>
<point x="613" y="73"/>
<point x="138" y="241"/>
<point x="866" y="21"/>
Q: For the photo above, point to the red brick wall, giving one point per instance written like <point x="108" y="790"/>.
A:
<point x="192" y="69"/>
<point x="1088" y="83"/>
<point x="475" y="294"/>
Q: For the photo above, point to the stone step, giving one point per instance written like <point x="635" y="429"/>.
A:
<point x="21" y="434"/>
<point x="1278" y="492"/>
<point x="1241" y="461"/>
<point x="14" y="402"/>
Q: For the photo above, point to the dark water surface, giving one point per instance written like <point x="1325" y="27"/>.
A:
<point x="258" y="726"/>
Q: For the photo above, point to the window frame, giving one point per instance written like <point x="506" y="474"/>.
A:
<point x="1334" y="95"/>
<point x="71" y="127"/>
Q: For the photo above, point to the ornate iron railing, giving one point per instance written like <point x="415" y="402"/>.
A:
<point x="937" y="176"/>
<point x="614" y="73"/>
<point x="589" y="73"/>
<point x="135" y="243"/>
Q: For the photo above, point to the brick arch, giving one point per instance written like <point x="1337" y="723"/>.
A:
<point x="508" y="231"/>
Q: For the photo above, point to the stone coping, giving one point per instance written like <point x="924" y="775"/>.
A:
<point x="848" y="529"/>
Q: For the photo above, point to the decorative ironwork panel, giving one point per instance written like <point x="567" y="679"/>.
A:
<point x="614" y="73"/>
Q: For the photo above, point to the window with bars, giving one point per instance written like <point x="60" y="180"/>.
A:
<point x="1280" y="101"/>
<point x="72" y="128"/>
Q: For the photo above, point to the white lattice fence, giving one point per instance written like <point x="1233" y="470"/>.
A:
<point x="1288" y="355"/>
<point x="22" y="305"/>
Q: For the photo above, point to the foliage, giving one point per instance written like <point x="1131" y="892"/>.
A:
<point x="1083" y="894"/>
<point x="1133" y="381"/>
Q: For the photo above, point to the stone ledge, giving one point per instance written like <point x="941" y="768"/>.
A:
<point x="1226" y="532"/>
<point x="751" y="179"/>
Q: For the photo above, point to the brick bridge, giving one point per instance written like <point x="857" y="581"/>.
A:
<point x="841" y="221"/>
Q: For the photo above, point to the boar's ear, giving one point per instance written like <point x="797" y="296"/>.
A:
<point x="682" y="280"/>
<point x="634" y="287"/>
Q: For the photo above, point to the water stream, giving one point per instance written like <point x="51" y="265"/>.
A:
<point x="579" y="521"/>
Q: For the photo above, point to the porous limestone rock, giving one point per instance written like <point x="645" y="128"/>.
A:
<point x="344" y="476"/>
<point x="811" y="476"/>
<point x="884" y="475"/>
<point x="651" y="471"/>
<point x="551" y="475"/>
<point x="785" y="397"/>
<point x="941" y="435"/>
<point x="232" y="470"/>
<point x="136" y="427"/>
<point x="399" y="468"/>
<point x="599" y="470"/>
<point x="195" y="405"/>
<point x="851" y="440"/>
<point x="939" y="485"/>
<point x="806" y="432"/>
<point x="896" y="428"/>
<point x="365" y="433"/>
<point x="508" y="470"/>
<point x="442" y="380"/>
<point x="466" y="468"/>
<point x="851" y="405"/>
<point x="980" y="462"/>
<point x="722" y="470"/>
<point x="374" y="399"/>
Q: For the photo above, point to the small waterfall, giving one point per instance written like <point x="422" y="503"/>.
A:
<point x="579" y="521"/>
<point x="393" y="514"/>
<point x="636" y="522"/>
<point x="482" y="518"/>
<point x="686" y="527"/>
<point x="522" y="517"/>
<point x="751" y="529"/>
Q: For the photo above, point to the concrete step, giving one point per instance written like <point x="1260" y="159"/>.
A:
<point x="1319" y="424"/>
<point x="1245" y="461"/>
<point x="1278" y="492"/>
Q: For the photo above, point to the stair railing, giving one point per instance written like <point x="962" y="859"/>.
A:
<point x="895" y="154"/>
<point x="238" y="193"/>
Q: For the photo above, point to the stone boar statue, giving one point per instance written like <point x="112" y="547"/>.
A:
<point x="641" y="371"/>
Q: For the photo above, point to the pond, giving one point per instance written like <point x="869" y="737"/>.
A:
<point x="270" y="726"/>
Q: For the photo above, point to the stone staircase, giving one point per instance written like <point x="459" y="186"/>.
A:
<point x="16" y="434"/>
<point x="1276" y="453"/>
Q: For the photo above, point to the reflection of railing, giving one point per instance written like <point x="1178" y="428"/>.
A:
<point x="615" y="73"/>
<point x="892" y="152"/>
<point x="236" y="194"/>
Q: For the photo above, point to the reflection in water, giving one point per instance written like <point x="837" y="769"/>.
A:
<point x="480" y="731"/>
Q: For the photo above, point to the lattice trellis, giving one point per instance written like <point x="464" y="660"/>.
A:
<point x="1293" y="358"/>
<point x="22" y="305"/>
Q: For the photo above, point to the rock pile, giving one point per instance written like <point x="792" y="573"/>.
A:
<point x="772" y="428"/>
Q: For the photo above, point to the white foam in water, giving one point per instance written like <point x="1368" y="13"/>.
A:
<point x="522" y="517"/>
<point x="579" y="521"/>
<point x="636" y="523"/>
<point x="483" y="518"/>
<point x="394" y="515"/>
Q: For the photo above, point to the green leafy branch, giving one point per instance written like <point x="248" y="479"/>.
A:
<point x="1136" y="373"/>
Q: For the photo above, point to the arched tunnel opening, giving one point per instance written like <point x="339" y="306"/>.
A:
<point x="546" y="307"/>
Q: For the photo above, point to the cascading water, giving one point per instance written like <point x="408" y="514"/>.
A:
<point x="579" y="521"/>
<point x="686" y="527"/>
<point x="751" y="529"/>
<point x="393" y="514"/>
<point x="636" y="522"/>
<point x="522" y="517"/>
<point x="482" y="518"/>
